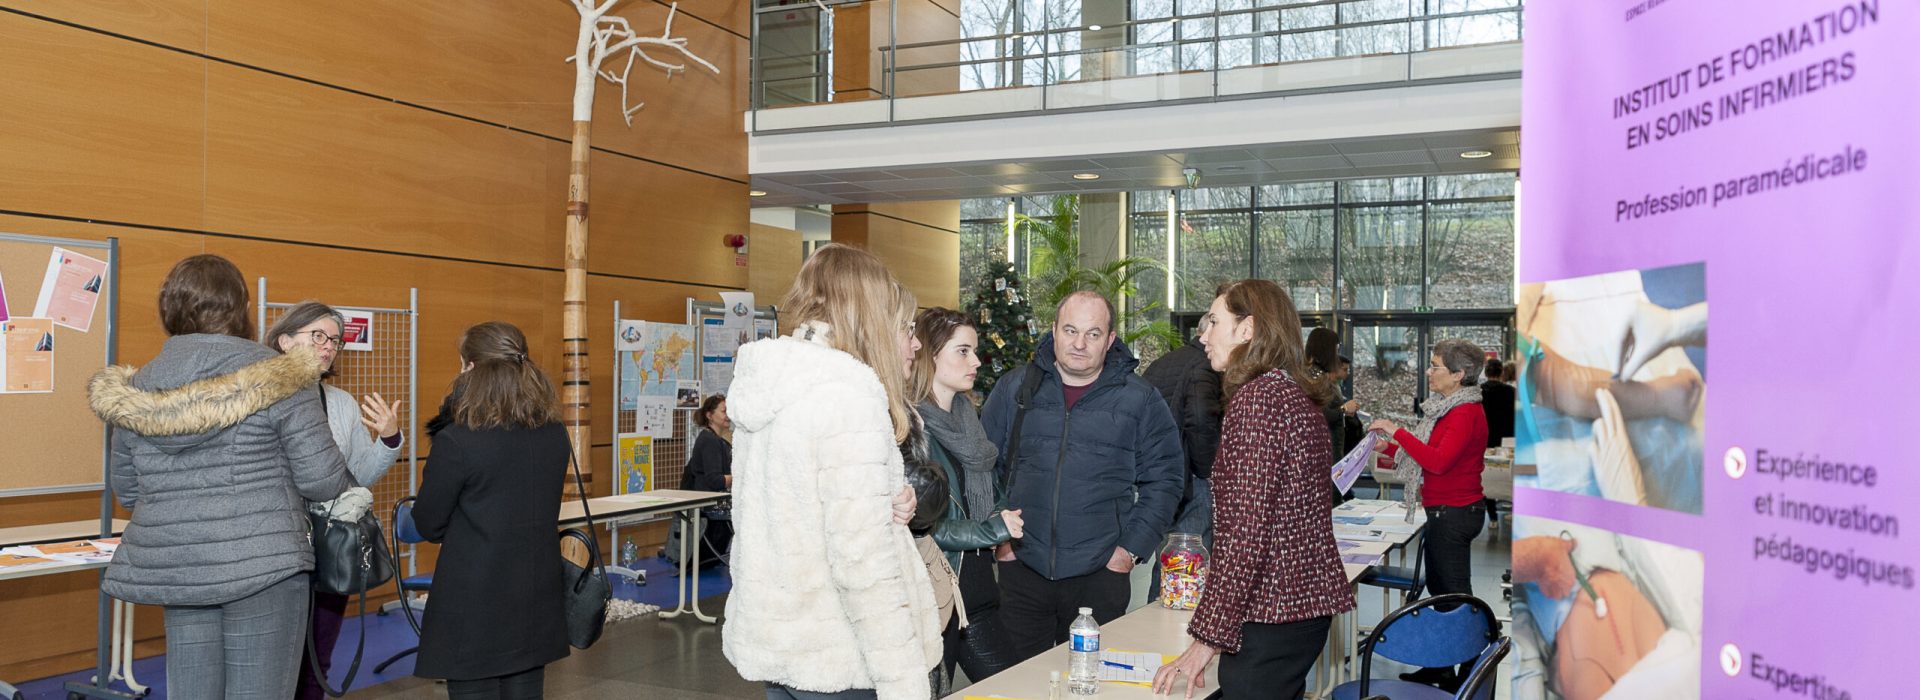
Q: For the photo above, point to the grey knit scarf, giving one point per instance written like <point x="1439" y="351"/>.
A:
<point x="960" y="432"/>
<point x="1405" y="470"/>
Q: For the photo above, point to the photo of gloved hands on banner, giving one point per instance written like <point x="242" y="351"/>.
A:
<point x="1598" y="614"/>
<point x="1613" y="385"/>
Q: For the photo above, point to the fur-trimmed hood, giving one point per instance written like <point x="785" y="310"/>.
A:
<point x="198" y="386"/>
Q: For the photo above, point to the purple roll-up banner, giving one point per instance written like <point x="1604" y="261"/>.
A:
<point x="1723" y="520"/>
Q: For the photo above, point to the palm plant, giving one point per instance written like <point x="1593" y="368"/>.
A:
<point x="1056" y="270"/>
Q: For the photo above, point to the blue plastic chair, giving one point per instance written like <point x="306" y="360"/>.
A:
<point x="1410" y="581"/>
<point x="1422" y="635"/>
<point x="407" y="533"/>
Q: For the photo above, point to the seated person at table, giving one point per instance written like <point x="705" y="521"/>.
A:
<point x="710" y="468"/>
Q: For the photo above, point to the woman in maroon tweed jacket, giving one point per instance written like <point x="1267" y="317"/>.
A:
<point x="1276" y="580"/>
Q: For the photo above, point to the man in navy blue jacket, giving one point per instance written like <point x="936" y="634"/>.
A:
<point x="1097" y="474"/>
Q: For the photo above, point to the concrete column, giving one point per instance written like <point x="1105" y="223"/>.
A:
<point x="1104" y="65"/>
<point x="1103" y="228"/>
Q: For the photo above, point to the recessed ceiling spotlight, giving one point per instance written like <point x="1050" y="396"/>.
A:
<point x="1476" y="154"/>
<point x="756" y="193"/>
<point x="1086" y="176"/>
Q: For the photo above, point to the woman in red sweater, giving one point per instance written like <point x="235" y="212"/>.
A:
<point x="1446" y="452"/>
<point x="1276" y="580"/>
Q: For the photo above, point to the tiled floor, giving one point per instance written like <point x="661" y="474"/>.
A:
<point x="681" y="658"/>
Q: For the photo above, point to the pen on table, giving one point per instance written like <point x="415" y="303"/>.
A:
<point x="1105" y="662"/>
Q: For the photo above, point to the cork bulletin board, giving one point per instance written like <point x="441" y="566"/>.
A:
<point x="51" y="442"/>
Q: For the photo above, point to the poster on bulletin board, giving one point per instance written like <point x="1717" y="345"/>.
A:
<point x="636" y="463"/>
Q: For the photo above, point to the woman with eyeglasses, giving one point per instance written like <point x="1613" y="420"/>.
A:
<point x="311" y="324"/>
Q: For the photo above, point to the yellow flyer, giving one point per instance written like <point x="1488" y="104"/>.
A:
<point x="636" y="464"/>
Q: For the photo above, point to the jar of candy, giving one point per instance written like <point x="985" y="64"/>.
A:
<point x="1183" y="571"/>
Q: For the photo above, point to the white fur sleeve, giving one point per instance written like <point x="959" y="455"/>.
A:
<point x="860" y="471"/>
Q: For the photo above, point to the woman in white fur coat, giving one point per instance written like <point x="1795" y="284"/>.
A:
<point x="830" y="597"/>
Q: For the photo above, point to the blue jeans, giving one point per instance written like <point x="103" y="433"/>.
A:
<point x="249" y="648"/>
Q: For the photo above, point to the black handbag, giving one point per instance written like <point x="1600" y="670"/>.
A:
<point x="587" y="591"/>
<point x="355" y="559"/>
<point x="348" y="557"/>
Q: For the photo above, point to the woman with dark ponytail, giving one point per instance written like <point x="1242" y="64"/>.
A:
<point x="490" y="495"/>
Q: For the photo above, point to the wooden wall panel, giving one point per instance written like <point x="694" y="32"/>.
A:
<point x="773" y="260"/>
<point x="859" y="32"/>
<point x="731" y="15"/>
<point x="917" y="240"/>
<point x="671" y="227"/>
<point x="127" y="148"/>
<point x="503" y="63"/>
<point x="923" y="21"/>
<point x="856" y="65"/>
<point x="177" y="23"/>
<point x="692" y="119"/>
<point x="349" y="197"/>
<point x="299" y="162"/>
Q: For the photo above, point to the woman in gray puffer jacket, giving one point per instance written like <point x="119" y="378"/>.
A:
<point x="216" y="450"/>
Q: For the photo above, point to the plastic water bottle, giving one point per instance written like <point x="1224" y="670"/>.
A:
<point x="629" y="554"/>
<point x="1083" y="664"/>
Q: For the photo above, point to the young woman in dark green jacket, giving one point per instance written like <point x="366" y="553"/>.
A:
<point x="977" y="519"/>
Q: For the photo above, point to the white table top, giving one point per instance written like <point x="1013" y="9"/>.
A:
<point x="610" y="508"/>
<point x="8" y="574"/>
<point x="1149" y="629"/>
<point x="56" y="532"/>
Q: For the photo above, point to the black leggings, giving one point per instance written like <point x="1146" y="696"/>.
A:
<point x="525" y="685"/>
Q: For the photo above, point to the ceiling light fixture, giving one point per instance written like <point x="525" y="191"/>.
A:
<point x="756" y="193"/>
<point x="1093" y="27"/>
<point x="1476" y="154"/>
<point x="1086" y="176"/>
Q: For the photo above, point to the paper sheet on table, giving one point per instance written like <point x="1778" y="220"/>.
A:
<point x="1361" y="507"/>
<point x="1144" y="664"/>
<point x="1349" y="468"/>
<point x="1358" y="534"/>
<point x="1353" y="519"/>
<point x="1361" y="559"/>
<point x="23" y="562"/>
<point x="77" y="552"/>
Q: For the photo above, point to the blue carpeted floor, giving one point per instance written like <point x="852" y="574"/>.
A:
<point x="390" y="634"/>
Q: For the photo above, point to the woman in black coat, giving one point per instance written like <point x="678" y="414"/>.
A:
<point x="710" y="468"/>
<point x="491" y="496"/>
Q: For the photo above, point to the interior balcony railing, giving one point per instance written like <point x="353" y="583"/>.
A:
<point x="865" y="50"/>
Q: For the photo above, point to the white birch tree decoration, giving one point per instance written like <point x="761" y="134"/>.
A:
<point x="602" y="37"/>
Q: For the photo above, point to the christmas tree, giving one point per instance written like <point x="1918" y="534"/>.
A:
<point x="1008" y="330"/>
